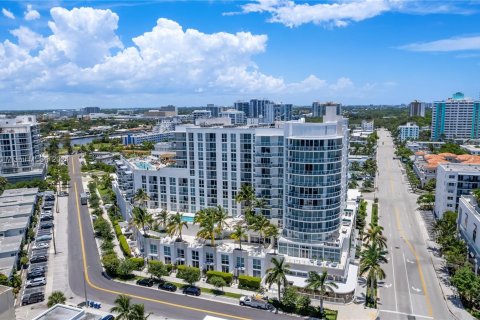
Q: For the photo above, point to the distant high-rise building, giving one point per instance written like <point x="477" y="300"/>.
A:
<point x="214" y="110"/>
<point x="237" y="117"/>
<point x="201" y="114"/>
<point x="417" y="109"/>
<point x="277" y="112"/>
<point x="88" y="110"/>
<point x="318" y="108"/>
<point x="20" y="156"/>
<point x="242" y="106"/>
<point x="456" y="118"/>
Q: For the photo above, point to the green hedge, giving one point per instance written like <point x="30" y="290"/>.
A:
<point x="374" y="214"/>
<point x="124" y="246"/>
<point x="182" y="268"/>
<point x="169" y="266"/>
<point x="248" y="282"/>
<point x="228" y="277"/>
<point x="139" y="263"/>
<point x="118" y="229"/>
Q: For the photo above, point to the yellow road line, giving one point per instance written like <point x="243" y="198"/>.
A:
<point x="87" y="278"/>
<point x="414" y="252"/>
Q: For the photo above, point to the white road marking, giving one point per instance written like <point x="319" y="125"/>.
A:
<point x="407" y="314"/>
<point x="408" y="284"/>
<point x="388" y="285"/>
<point x="410" y="261"/>
<point x="415" y="289"/>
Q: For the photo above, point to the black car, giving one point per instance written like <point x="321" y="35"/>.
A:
<point x="46" y="218"/>
<point x="33" y="298"/>
<point x="191" y="290"/>
<point x="146" y="282"/>
<point x="46" y="225"/>
<point x="167" y="286"/>
<point x="36" y="259"/>
<point x="36" y="269"/>
<point x="35" y="274"/>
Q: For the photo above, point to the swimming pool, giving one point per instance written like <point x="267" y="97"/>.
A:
<point x="187" y="219"/>
<point x="142" y="165"/>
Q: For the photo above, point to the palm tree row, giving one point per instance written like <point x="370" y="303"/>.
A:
<point x="212" y="221"/>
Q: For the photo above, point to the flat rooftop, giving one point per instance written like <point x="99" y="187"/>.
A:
<point x="19" y="192"/>
<point x="18" y="200"/>
<point x="14" y="223"/>
<point x="61" y="312"/>
<point x="10" y="244"/>
<point x="6" y="265"/>
<point x="15" y="211"/>
<point x="462" y="167"/>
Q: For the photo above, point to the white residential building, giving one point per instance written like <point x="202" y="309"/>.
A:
<point x="319" y="108"/>
<point x="456" y="118"/>
<point x="237" y="117"/>
<point x="409" y="131"/>
<point x="300" y="169"/>
<point x="367" y="126"/>
<point x="200" y="114"/>
<point x="20" y="155"/>
<point x="154" y="137"/>
<point x="453" y="181"/>
<point x="469" y="226"/>
<point x="472" y="149"/>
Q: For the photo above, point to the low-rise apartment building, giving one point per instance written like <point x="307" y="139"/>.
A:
<point x="409" y="131"/>
<point x="453" y="181"/>
<point x="469" y="226"/>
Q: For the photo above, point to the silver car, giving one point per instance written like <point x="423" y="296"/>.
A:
<point x="37" y="282"/>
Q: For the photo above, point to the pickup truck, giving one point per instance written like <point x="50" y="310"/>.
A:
<point x="255" y="302"/>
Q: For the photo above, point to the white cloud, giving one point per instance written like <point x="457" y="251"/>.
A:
<point x="338" y="14"/>
<point x="446" y="45"/>
<point x="31" y="14"/>
<point x="8" y="14"/>
<point x="84" y="56"/>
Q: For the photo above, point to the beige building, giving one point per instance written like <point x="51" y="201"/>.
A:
<point x="7" y="303"/>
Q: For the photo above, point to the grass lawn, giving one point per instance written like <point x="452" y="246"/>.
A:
<point x="103" y="192"/>
<point x="331" y="314"/>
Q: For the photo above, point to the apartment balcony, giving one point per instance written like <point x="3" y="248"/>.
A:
<point x="313" y="208"/>
<point x="314" y="172"/>
<point x="305" y="148"/>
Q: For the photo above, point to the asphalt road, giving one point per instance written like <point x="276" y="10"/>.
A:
<point x="411" y="289"/>
<point x="83" y="258"/>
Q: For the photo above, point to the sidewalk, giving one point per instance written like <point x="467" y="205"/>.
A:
<point x="452" y="300"/>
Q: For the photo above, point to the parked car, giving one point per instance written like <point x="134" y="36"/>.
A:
<point x="46" y="217"/>
<point x="48" y="204"/>
<point x="63" y="194"/>
<point x="35" y="269"/>
<point x="37" y="282"/>
<point x="34" y="297"/>
<point x="47" y="212"/>
<point x="108" y="317"/>
<point x="167" y="286"/>
<point x="43" y="238"/>
<point x="87" y="193"/>
<point x="40" y="245"/>
<point x="49" y="197"/>
<point x="36" y="259"/>
<point x="46" y="225"/>
<point x="146" y="282"/>
<point x="35" y="274"/>
<point x="255" y="302"/>
<point x="192" y="290"/>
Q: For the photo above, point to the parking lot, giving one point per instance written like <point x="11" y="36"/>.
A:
<point x="34" y="280"/>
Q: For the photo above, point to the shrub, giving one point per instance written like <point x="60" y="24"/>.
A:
<point x="23" y="261"/>
<point x="248" y="282"/>
<point x="138" y="262"/>
<point x="125" y="268"/>
<point x="228" y="277"/>
<point x="158" y="269"/>
<point x="217" y="282"/>
<point x="118" y="229"/>
<point x="124" y="246"/>
<point x="110" y="263"/>
<point x="188" y="274"/>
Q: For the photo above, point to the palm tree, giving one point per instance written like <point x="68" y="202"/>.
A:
<point x="206" y="219"/>
<point x="375" y="236"/>
<point x="277" y="274"/>
<point x="238" y="234"/>
<point x="141" y="197"/>
<point x="221" y="216"/>
<point x="123" y="308"/>
<point x="141" y="218"/>
<point x="261" y="225"/>
<point x="162" y="218"/>
<point x="246" y="194"/>
<point x="57" y="297"/>
<point x="371" y="258"/>
<point x="175" y="225"/>
<point x="320" y="283"/>
<point x="273" y="232"/>
<point x="138" y="312"/>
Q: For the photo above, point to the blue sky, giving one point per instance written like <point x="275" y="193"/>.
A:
<point x="56" y="54"/>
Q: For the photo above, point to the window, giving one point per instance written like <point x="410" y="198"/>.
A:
<point x="153" y="249"/>
<point x="209" y="261"/>
<point x="257" y="268"/>
<point x="240" y="262"/>
<point x="167" y="254"/>
<point x="195" y="259"/>
<point x="225" y="263"/>
<point x="180" y="256"/>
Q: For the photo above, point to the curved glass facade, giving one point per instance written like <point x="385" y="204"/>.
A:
<point x="313" y="188"/>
